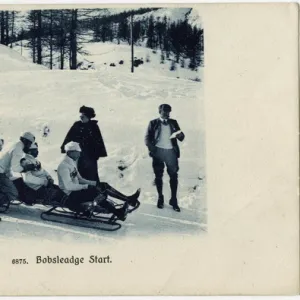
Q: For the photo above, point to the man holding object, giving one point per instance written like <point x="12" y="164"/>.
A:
<point x="161" y="139"/>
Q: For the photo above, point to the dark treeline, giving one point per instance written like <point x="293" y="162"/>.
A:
<point x="58" y="34"/>
<point x="178" y="38"/>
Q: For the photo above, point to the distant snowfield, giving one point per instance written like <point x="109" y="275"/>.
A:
<point x="124" y="103"/>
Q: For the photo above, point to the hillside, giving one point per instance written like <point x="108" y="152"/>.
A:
<point x="173" y="15"/>
<point x="11" y="60"/>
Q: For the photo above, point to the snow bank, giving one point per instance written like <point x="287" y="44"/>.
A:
<point x="11" y="60"/>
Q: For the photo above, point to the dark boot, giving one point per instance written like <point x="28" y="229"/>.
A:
<point x="120" y="213"/>
<point x="173" y="201"/>
<point x="159" y="187"/>
<point x="132" y="200"/>
<point x="160" y="202"/>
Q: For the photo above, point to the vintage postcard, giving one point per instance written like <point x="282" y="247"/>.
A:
<point x="149" y="149"/>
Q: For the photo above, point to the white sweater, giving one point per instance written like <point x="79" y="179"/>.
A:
<point x="69" y="179"/>
<point x="35" y="179"/>
<point x="10" y="160"/>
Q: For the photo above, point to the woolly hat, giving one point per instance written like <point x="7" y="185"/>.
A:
<point x="28" y="136"/>
<point x="88" y="111"/>
<point x="165" y="107"/>
<point x="72" y="146"/>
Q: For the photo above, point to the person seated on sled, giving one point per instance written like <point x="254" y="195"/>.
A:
<point x="10" y="162"/>
<point x="38" y="183"/>
<point x="81" y="191"/>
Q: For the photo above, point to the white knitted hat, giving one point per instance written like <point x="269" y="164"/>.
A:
<point x="72" y="146"/>
<point x="28" y="136"/>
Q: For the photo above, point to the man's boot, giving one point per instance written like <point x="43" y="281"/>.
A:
<point x="159" y="187"/>
<point x="110" y="191"/>
<point x="120" y="213"/>
<point x="173" y="201"/>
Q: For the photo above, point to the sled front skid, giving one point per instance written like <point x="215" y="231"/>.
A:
<point x="87" y="222"/>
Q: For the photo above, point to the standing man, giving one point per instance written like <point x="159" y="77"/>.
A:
<point x="161" y="140"/>
<point x="87" y="134"/>
<point x="11" y="162"/>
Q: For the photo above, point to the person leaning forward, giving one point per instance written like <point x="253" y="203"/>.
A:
<point x="11" y="162"/>
<point x="161" y="139"/>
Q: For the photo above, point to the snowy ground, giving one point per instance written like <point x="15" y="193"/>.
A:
<point x="33" y="97"/>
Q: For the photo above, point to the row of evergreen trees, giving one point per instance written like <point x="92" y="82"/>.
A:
<point x="178" y="38"/>
<point x="58" y="34"/>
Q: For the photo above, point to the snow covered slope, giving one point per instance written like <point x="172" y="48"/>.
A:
<point x="173" y="14"/>
<point x="103" y="54"/>
<point x="124" y="104"/>
<point x="11" y="60"/>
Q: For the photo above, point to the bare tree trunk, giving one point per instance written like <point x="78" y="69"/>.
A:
<point x="39" y="37"/>
<point x="33" y="40"/>
<point x="6" y="28"/>
<point x="51" y="39"/>
<point x="62" y="41"/>
<point x="73" y="40"/>
<point x="131" y="38"/>
<point x="12" y="28"/>
<point x="2" y="28"/>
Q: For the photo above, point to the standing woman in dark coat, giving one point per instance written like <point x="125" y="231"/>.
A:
<point x="87" y="133"/>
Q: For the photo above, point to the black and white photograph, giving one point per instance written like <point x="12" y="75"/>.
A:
<point x="102" y="124"/>
<point x="149" y="150"/>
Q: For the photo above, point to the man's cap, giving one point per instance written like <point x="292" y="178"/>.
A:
<point x="72" y="146"/>
<point x="165" y="107"/>
<point x="28" y="136"/>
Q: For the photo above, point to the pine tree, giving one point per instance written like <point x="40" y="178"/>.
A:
<point x="32" y="18"/>
<point x="123" y="30"/>
<point x="173" y="65"/>
<point x="162" y="57"/>
<point x="39" y="32"/>
<point x="174" y="33"/>
<point x="182" y="63"/>
<point x="150" y="33"/>
<point x="12" y="28"/>
<point x="2" y="28"/>
<point x="136" y="31"/>
<point x="73" y="40"/>
<point x="6" y="28"/>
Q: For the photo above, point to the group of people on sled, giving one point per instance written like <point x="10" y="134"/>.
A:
<point x="78" y="181"/>
<point x="79" y="185"/>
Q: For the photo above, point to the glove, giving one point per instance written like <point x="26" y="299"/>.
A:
<point x="38" y="166"/>
<point x="50" y="181"/>
<point x="29" y="167"/>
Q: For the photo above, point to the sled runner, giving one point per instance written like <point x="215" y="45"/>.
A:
<point x="88" y="217"/>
